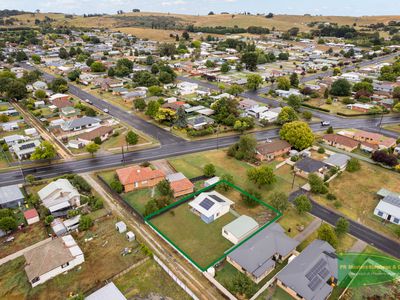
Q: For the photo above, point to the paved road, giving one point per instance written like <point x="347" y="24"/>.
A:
<point x="163" y="136"/>
<point x="358" y="230"/>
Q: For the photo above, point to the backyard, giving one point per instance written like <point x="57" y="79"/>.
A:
<point x="357" y="194"/>
<point x="147" y="281"/>
<point x="106" y="246"/>
<point x="202" y="242"/>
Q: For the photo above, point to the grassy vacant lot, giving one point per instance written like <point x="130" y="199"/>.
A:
<point x="148" y="280"/>
<point x="335" y="107"/>
<point x="102" y="261"/>
<point x="192" y="165"/>
<point x="30" y="235"/>
<point x="357" y="193"/>
<point x="202" y="242"/>
<point x="393" y="127"/>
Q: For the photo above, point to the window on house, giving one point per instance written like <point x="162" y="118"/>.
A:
<point x="65" y="265"/>
<point x="36" y="279"/>
<point x="380" y="213"/>
<point x="396" y="220"/>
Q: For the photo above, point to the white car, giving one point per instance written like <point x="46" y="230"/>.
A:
<point x="325" y="123"/>
<point x="88" y="101"/>
<point x="106" y="110"/>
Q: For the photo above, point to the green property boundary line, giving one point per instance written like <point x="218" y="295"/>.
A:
<point x="185" y="199"/>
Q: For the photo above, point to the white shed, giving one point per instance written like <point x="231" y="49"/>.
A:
<point x="120" y="226"/>
<point x="130" y="236"/>
<point x="211" y="181"/>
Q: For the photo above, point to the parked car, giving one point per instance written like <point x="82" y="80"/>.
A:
<point x="106" y="110"/>
<point x="88" y="101"/>
<point x="325" y="123"/>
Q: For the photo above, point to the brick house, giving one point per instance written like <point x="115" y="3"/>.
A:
<point x="136" y="177"/>
<point x="268" y="151"/>
<point x="340" y="142"/>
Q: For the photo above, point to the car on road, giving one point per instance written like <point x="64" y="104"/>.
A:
<point x="106" y="110"/>
<point x="325" y="123"/>
<point x="88" y="101"/>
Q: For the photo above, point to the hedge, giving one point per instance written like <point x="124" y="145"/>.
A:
<point x="315" y="107"/>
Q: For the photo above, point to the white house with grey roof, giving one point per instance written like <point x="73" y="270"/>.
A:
<point x="210" y="206"/>
<point x="11" y="196"/>
<point x="313" y="274"/>
<point x="107" y="292"/>
<point x="337" y="160"/>
<point x="59" y="196"/>
<point x="80" y="124"/>
<point x="239" y="229"/>
<point x="25" y="149"/>
<point x="258" y="255"/>
<point x="388" y="207"/>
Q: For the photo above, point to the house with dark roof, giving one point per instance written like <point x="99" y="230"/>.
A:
<point x="210" y="206"/>
<point x="313" y="274"/>
<point x="268" y="151"/>
<point x="257" y="257"/>
<point x="308" y="166"/>
<point x="337" y="160"/>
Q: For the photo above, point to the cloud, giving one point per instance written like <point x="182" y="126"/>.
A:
<point x="173" y="3"/>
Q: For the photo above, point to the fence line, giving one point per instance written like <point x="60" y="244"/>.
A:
<point x="176" y="279"/>
<point x="219" y="286"/>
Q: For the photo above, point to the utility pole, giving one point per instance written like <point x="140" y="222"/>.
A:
<point x="123" y="156"/>
<point x="294" y="177"/>
<point x="380" y="122"/>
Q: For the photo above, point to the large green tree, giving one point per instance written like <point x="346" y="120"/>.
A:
<point x="327" y="233"/>
<point x="262" y="176"/>
<point x="254" y="81"/>
<point x="341" y="87"/>
<point x="287" y="114"/>
<point x="298" y="134"/>
<point x="44" y="151"/>
<point x="303" y="204"/>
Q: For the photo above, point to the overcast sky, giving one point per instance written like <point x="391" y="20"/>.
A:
<point x="324" y="7"/>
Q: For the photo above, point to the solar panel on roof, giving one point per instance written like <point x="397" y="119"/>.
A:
<point x="314" y="283"/>
<point x="27" y="146"/>
<point x="316" y="269"/>
<point x="206" y="204"/>
<point x="216" y="198"/>
<point x="323" y="273"/>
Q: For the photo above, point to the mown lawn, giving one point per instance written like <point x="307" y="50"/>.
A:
<point x="148" y="280"/>
<point x="138" y="199"/>
<point x="357" y="194"/>
<point x="202" y="242"/>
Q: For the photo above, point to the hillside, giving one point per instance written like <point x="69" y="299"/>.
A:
<point x="142" y="23"/>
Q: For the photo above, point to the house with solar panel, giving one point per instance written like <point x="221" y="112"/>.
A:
<point x="25" y="149"/>
<point x="313" y="274"/>
<point x="388" y="207"/>
<point x="210" y="206"/>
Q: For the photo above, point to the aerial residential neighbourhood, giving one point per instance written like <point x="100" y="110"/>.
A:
<point x="200" y="150"/>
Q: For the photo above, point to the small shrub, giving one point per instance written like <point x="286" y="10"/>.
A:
<point x="330" y="197"/>
<point x="321" y="150"/>
<point x="337" y="204"/>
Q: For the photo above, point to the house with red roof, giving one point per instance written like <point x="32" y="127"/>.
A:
<point x="136" y="177"/>
<point x="31" y="216"/>
<point x="180" y="184"/>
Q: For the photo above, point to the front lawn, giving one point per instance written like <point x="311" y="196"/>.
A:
<point x="202" y="242"/>
<point x="357" y="194"/>
<point x="192" y="166"/>
<point x="291" y="220"/>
